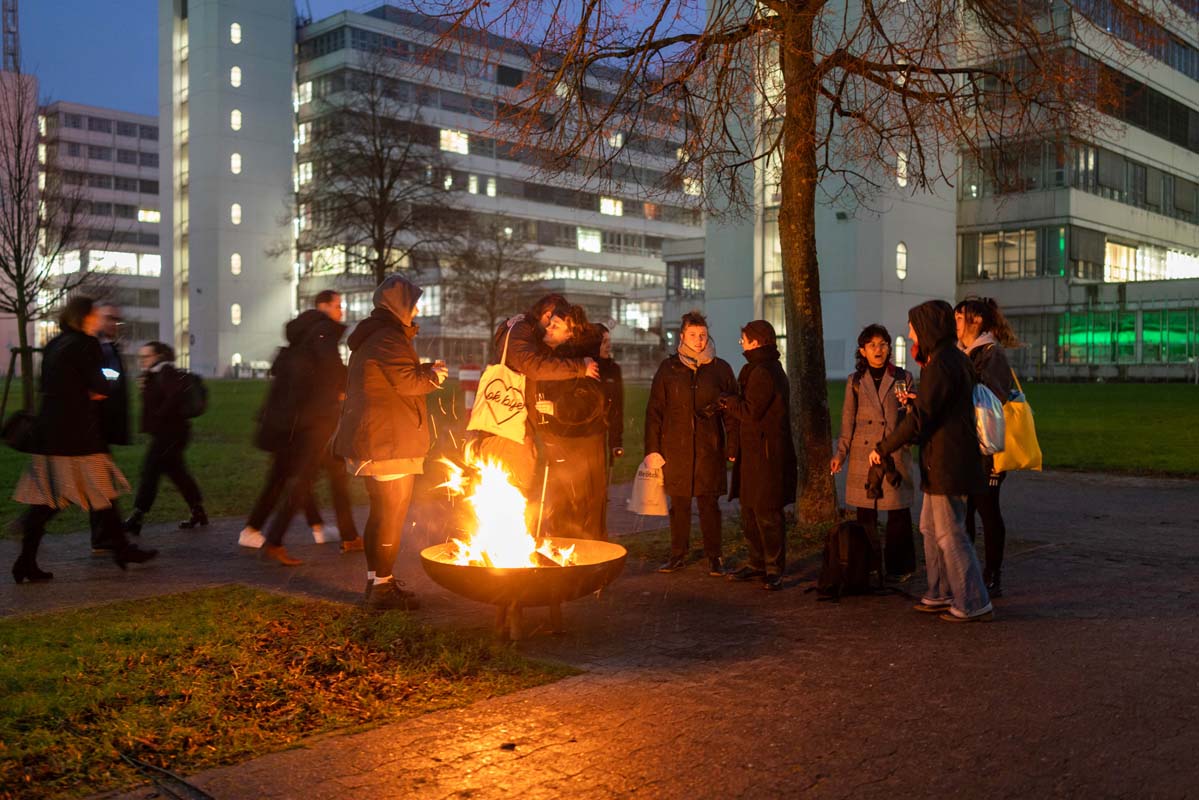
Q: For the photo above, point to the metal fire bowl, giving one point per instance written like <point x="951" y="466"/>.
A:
<point x="598" y="565"/>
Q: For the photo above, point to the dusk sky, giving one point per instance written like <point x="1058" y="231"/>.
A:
<point x="105" y="52"/>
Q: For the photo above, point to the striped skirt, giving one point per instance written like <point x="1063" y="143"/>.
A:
<point x="91" y="482"/>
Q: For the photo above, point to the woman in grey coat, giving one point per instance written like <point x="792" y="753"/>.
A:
<point x="871" y="412"/>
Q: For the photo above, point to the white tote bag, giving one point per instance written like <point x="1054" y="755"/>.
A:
<point x="500" y="403"/>
<point x="649" y="493"/>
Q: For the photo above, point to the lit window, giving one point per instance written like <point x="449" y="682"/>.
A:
<point x="472" y="184"/>
<point x="693" y="187"/>
<point x="304" y="173"/>
<point x="236" y="360"/>
<point x="303" y="133"/>
<point x="901" y="352"/>
<point x="235" y="313"/>
<point x="491" y="187"/>
<point x="235" y="163"/>
<point x="41" y="181"/>
<point x="149" y="264"/>
<point x="235" y="213"/>
<point x="901" y="260"/>
<point x="901" y="169"/>
<point x="235" y="33"/>
<point x="235" y="263"/>
<point x="590" y="240"/>
<point x="235" y="77"/>
<point x="611" y="206"/>
<point x="303" y="93"/>
<point x="235" y="120"/>
<point x="682" y="155"/>
<point x="453" y="141"/>
<point x="41" y="124"/>
<point x="616" y="140"/>
<point x="448" y="182"/>
<point x="41" y="154"/>
<point x="148" y="215"/>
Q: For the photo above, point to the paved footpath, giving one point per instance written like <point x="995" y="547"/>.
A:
<point x="1085" y="685"/>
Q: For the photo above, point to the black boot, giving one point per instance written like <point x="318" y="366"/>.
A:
<point x="26" y="569"/>
<point x="133" y="525"/>
<point x="132" y="554"/>
<point x="199" y="519"/>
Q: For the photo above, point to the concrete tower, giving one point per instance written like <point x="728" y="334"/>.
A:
<point x="225" y="99"/>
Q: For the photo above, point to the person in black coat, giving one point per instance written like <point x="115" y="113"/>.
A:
<point x="612" y="382"/>
<point x="520" y="341"/>
<point x="574" y="439"/>
<point x="941" y="420"/>
<point x="689" y="439"/>
<point x="71" y="463"/>
<point x="384" y="432"/>
<point x="300" y="417"/>
<point x="163" y="389"/>
<point x="114" y="408"/>
<point x="766" y="471"/>
<point x="983" y="334"/>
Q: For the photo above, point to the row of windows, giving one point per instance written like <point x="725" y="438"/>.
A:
<point x="684" y="279"/>
<point x="624" y="277"/>
<point x="131" y="130"/>
<point x="110" y="261"/>
<point x="1133" y="26"/>
<point x="1107" y="336"/>
<point x="123" y="211"/>
<point x="95" y="152"/>
<point x="1148" y="109"/>
<point x="120" y="183"/>
<point x="1026" y="168"/>
<point x="1068" y="249"/>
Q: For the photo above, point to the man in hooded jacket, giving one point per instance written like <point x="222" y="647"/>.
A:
<point x="299" y="419"/>
<point x="384" y="433"/>
<point x="941" y="420"/>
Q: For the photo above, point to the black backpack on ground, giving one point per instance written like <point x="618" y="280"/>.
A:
<point x="193" y="401"/>
<point x="849" y="560"/>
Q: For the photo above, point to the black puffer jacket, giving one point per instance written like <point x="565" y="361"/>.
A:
<point x="162" y="396"/>
<point x="68" y="422"/>
<point x="307" y="381"/>
<point x="766" y="471"/>
<point x="684" y="425"/>
<point x="941" y="418"/>
<point x="384" y="415"/>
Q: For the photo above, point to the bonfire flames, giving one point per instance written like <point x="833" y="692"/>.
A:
<point x="501" y="535"/>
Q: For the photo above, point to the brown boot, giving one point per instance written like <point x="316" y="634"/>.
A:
<point x="280" y="554"/>
<point x="352" y="545"/>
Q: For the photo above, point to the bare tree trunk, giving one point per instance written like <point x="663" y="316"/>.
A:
<point x="801" y="278"/>
<point x="27" y="380"/>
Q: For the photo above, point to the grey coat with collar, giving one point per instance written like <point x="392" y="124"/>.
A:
<point x="867" y="416"/>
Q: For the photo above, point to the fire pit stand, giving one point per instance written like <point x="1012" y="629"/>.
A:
<point x="512" y="589"/>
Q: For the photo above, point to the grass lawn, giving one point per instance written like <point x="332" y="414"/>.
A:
<point x="1135" y="428"/>
<point x="192" y="681"/>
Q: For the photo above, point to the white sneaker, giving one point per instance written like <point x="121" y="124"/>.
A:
<point x="323" y="534"/>
<point x="251" y="538"/>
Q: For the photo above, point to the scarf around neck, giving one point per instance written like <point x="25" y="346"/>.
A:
<point x="694" y="360"/>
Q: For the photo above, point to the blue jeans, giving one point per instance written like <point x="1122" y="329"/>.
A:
<point x="949" y="558"/>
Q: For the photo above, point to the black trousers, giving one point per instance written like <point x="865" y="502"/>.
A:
<point x="164" y="456"/>
<point x="766" y="536"/>
<point x="385" y="525"/>
<point x="994" y="529"/>
<point x="899" y="547"/>
<point x="576" y="495"/>
<point x="709" y="524"/>
<point x="303" y="458"/>
<point x="277" y="477"/>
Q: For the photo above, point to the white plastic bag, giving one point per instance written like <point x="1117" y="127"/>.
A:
<point x="988" y="419"/>
<point x="649" y="493"/>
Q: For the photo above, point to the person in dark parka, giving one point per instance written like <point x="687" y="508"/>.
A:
<point x="70" y="462"/>
<point x="304" y="417"/>
<point x="383" y="434"/>
<point x="612" y="381"/>
<point x="689" y="439"/>
<point x="941" y="420"/>
<point x="114" y="408"/>
<point x="163" y="389"/>
<point x="766" y="471"/>
<point x="574" y="440"/>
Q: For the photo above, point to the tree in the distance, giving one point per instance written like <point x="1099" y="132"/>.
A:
<point x="41" y="216"/>
<point x="840" y="97"/>
<point x="492" y="270"/>
<point x="371" y="181"/>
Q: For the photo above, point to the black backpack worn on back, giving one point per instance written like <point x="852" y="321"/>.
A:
<point x="849" y="560"/>
<point x="194" y="399"/>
